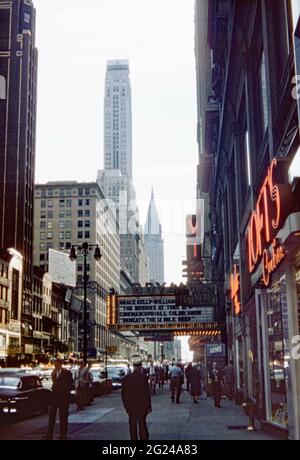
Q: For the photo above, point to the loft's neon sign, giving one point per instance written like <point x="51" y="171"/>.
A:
<point x="274" y="204"/>
<point x="272" y="260"/>
<point x="235" y="290"/>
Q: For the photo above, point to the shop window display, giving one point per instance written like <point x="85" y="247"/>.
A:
<point x="276" y="334"/>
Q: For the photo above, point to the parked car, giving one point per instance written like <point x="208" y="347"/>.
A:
<point x="22" y="394"/>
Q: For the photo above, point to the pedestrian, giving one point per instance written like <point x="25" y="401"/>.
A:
<point x="228" y="372"/>
<point x="216" y="384"/>
<point x="90" y="389"/>
<point x="62" y="385"/>
<point x="136" y="398"/>
<point x="81" y="386"/>
<point x="187" y="375"/>
<point x="161" y="377"/>
<point x="152" y="379"/>
<point x="167" y="372"/>
<point x="176" y="376"/>
<point x="195" y="380"/>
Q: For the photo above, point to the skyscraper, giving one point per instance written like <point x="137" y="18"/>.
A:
<point x="154" y="243"/>
<point x="118" y="118"/>
<point x="116" y="179"/>
<point x="18" y="72"/>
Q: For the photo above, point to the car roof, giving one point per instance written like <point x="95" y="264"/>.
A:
<point x="18" y="374"/>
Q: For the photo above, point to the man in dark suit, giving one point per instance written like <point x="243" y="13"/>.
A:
<point x="137" y="401"/>
<point x="62" y="385"/>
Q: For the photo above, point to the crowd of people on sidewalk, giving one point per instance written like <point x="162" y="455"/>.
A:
<point x="138" y="386"/>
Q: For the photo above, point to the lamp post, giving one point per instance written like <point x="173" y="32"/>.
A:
<point x="85" y="249"/>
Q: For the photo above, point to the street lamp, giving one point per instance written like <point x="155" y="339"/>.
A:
<point x="85" y="249"/>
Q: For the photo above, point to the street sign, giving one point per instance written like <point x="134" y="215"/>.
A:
<point x="215" y="349"/>
<point x="111" y="349"/>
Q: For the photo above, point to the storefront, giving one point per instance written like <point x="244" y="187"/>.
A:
<point x="271" y="317"/>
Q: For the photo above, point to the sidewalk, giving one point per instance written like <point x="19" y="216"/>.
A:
<point x="107" y="420"/>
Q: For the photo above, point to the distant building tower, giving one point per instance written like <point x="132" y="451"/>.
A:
<point x="115" y="180"/>
<point x="154" y="243"/>
<point x="118" y="118"/>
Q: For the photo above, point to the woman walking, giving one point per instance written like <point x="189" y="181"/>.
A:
<point x="195" y="381"/>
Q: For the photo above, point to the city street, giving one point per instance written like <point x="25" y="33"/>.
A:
<point x="107" y="420"/>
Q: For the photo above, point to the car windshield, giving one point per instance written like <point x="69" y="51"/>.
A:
<point x="10" y="382"/>
<point x="116" y="371"/>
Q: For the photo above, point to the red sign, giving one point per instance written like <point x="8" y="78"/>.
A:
<point x="274" y="204"/>
<point x="235" y="290"/>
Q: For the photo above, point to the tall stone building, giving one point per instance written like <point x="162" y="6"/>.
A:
<point x="18" y="77"/>
<point x="71" y="213"/>
<point x="116" y="178"/>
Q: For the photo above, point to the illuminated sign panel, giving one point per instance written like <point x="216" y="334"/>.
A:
<point x="159" y="312"/>
<point x="235" y="290"/>
<point x="274" y="204"/>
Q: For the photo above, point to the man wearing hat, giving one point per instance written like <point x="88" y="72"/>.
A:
<point x="137" y="400"/>
<point x="62" y="385"/>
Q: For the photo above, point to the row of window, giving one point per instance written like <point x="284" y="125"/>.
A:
<point x="68" y="192"/>
<point x="64" y="203"/>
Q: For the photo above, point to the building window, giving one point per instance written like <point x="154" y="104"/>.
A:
<point x="43" y="214"/>
<point x="69" y="213"/>
<point x="87" y="213"/>
<point x="87" y="224"/>
<point x="50" y="214"/>
<point x="263" y="93"/>
<point x="61" y="235"/>
<point x="68" y="235"/>
<point x="80" y="235"/>
<point x="80" y="202"/>
<point x="49" y="235"/>
<point x="80" y="223"/>
<point x="42" y="257"/>
<point x="15" y="294"/>
<point x="248" y="157"/>
<point x="87" y="202"/>
<point x="50" y="204"/>
<point x="49" y="245"/>
<point x="69" y="203"/>
<point x="68" y="224"/>
<point x="42" y="224"/>
<point x="61" y="214"/>
<point x="68" y="245"/>
<point x="80" y="191"/>
<point x="61" y="203"/>
<point x="50" y="224"/>
<point x="80" y="213"/>
<point x="87" y="235"/>
<point x="61" y="192"/>
<point x="61" y="224"/>
<point x="42" y="246"/>
<point x="42" y="236"/>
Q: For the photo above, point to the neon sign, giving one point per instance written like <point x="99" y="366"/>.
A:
<point x="273" y="260"/>
<point x="274" y="204"/>
<point x="235" y="290"/>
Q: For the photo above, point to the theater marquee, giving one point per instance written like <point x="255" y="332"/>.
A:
<point x="157" y="312"/>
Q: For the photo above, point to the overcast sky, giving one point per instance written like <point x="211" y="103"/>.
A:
<point x="75" y="39"/>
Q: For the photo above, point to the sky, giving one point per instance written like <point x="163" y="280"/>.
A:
<point x="75" y="39"/>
